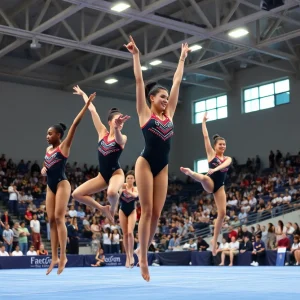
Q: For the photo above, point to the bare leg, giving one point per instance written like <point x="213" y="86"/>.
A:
<point x="222" y="258"/>
<point x="92" y="186"/>
<point x="160" y="189"/>
<point x="50" y="209"/>
<point x="124" y="226"/>
<point x="205" y="180"/>
<point x="144" y="180"/>
<point x="115" y="184"/>
<point x="231" y="258"/>
<point x="62" y="199"/>
<point x="131" y="225"/>
<point x="220" y="199"/>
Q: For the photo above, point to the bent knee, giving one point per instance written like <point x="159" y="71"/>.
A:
<point x="112" y="193"/>
<point x="76" y="194"/>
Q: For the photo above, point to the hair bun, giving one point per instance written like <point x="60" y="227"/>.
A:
<point x="113" y="110"/>
<point x="63" y="126"/>
<point x="215" y="136"/>
<point x="149" y="87"/>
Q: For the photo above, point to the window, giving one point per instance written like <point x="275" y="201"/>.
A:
<point x="215" y="107"/>
<point x="201" y="166"/>
<point x="267" y="95"/>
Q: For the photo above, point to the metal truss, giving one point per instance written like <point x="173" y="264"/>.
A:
<point x="146" y="14"/>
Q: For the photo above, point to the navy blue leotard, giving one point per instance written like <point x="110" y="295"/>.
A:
<point x="127" y="203"/>
<point x="55" y="163"/>
<point x="157" y="134"/>
<point x="219" y="176"/>
<point x="108" y="156"/>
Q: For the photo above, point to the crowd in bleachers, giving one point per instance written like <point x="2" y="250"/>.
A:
<point x="252" y="194"/>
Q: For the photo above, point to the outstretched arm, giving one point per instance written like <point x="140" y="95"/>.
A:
<point x="66" y="144"/>
<point x="210" y="152"/>
<point x="100" y="127"/>
<point x="121" y="139"/>
<point x="141" y="104"/>
<point x="174" y="94"/>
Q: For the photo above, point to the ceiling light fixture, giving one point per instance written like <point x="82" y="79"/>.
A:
<point x="237" y="33"/>
<point x="195" y="48"/>
<point x="144" y="68"/>
<point x="155" y="62"/>
<point x="111" y="80"/>
<point x="121" y="6"/>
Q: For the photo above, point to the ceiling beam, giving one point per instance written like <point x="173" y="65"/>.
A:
<point x="195" y="30"/>
<point x="41" y="28"/>
<point x="195" y="66"/>
<point x="95" y="35"/>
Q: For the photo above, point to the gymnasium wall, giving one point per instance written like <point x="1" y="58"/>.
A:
<point x="26" y="112"/>
<point x="246" y="134"/>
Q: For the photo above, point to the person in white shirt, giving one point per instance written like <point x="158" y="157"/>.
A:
<point x="13" y="199"/>
<point x="287" y="199"/>
<point x="233" y="250"/>
<point x="2" y="251"/>
<point x="115" y="247"/>
<point x="72" y="212"/>
<point x="31" y="251"/>
<point x="224" y="246"/>
<point x="17" y="251"/>
<point x="35" y="231"/>
<point x="296" y="246"/>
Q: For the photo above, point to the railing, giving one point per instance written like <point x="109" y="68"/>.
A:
<point x="252" y="219"/>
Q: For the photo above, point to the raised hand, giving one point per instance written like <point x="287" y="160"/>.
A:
<point x="44" y="171"/>
<point x="78" y="91"/>
<point x="205" y="117"/>
<point x="131" y="46"/>
<point x="91" y="98"/>
<point x="184" y="51"/>
<point x="119" y="122"/>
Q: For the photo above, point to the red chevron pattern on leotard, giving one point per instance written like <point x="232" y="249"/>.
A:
<point x="51" y="159"/>
<point x="163" y="129"/>
<point x="106" y="148"/>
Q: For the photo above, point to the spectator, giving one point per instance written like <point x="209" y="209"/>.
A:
<point x="23" y="237"/>
<point x="35" y="227"/>
<point x="258" y="253"/>
<point x="202" y="245"/>
<point x="28" y="216"/>
<point x="107" y="240"/>
<point x="233" y="250"/>
<point x="31" y="251"/>
<point x="17" y="251"/>
<point x="246" y="245"/>
<point x="280" y="231"/>
<point x="6" y="219"/>
<point x="8" y="236"/>
<point x="271" y="237"/>
<point x="264" y="234"/>
<point x="95" y="244"/>
<point x="13" y="199"/>
<point x="16" y="235"/>
<point x="73" y="243"/>
<point x="100" y="258"/>
<point x="295" y="246"/>
<point x="42" y="250"/>
<point x="72" y="212"/>
<point x="115" y="245"/>
<point x="2" y="251"/>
